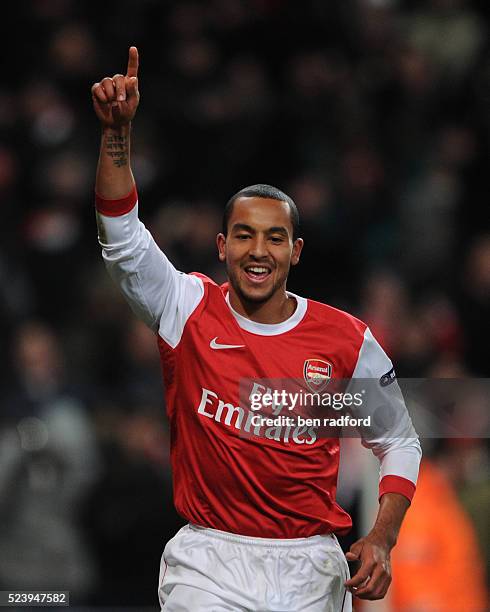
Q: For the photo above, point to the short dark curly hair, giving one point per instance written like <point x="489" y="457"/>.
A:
<point x="262" y="190"/>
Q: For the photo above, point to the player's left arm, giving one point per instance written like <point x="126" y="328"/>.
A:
<point x="373" y="577"/>
<point x="392" y="438"/>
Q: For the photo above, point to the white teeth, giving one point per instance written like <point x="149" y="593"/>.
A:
<point x="257" y="270"/>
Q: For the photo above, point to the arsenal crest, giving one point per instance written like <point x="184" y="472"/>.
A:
<point x="317" y="374"/>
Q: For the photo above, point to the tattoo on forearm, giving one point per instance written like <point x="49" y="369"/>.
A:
<point x="117" y="148"/>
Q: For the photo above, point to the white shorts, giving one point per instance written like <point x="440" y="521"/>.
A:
<point x="205" y="570"/>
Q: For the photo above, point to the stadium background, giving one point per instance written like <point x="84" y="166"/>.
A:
<point x="373" y="115"/>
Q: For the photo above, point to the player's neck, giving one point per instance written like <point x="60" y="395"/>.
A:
<point x="275" y="310"/>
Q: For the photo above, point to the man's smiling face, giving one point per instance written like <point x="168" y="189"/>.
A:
<point x="259" y="248"/>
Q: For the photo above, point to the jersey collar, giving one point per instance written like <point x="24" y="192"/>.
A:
<point x="272" y="329"/>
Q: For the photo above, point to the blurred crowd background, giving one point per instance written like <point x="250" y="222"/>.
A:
<point x="374" y="116"/>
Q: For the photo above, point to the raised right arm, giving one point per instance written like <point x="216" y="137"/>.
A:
<point x="158" y="294"/>
<point x="115" y="102"/>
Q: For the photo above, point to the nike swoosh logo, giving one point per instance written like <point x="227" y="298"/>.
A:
<point x="214" y="345"/>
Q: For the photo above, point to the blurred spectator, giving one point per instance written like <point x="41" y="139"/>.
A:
<point x="129" y="515"/>
<point x="48" y="459"/>
<point x="141" y="373"/>
<point x="450" y="33"/>
<point x="437" y="564"/>
<point x="475" y="305"/>
<point x="386" y="310"/>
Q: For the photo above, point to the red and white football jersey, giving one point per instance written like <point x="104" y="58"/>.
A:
<point x="230" y="473"/>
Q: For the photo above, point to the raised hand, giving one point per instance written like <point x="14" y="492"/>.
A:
<point x="116" y="98"/>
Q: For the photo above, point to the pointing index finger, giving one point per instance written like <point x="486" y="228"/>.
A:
<point x="133" y="61"/>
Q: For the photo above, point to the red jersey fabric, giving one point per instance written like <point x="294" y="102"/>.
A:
<point x="253" y="485"/>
